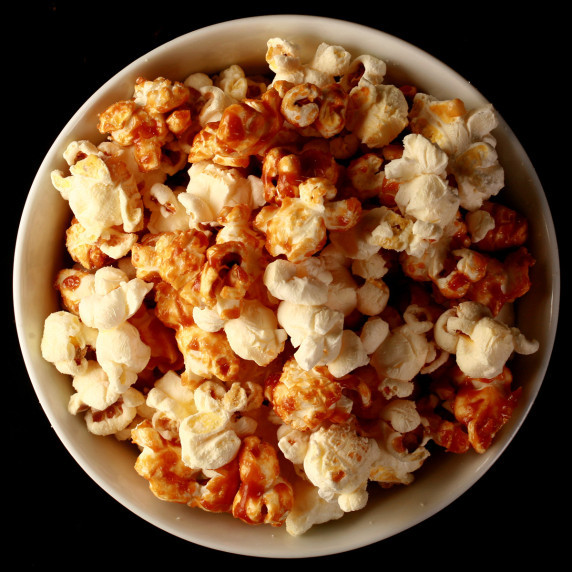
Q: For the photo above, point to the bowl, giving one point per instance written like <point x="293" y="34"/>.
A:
<point x="108" y="462"/>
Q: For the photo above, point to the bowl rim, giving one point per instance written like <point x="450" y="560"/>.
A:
<point x="18" y="270"/>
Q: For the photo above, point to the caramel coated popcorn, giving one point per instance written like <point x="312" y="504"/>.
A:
<point x="288" y="290"/>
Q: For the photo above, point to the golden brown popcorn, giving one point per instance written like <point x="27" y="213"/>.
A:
<point x="170" y="308"/>
<point x="149" y="121"/>
<point x="285" y="167"/>
<point x="73" y="284"/>
<point x="510" y="228"/>
<point x="160" y="463"/>
<point x="208" y="354"/>
<point x="160" y="95"/>
<point x="165" y="354"/>
<point x="305" y="399"/>
<point x="315" y="111"/>
<point x="264" y="496"/>
<point x="298" y="227"/>
<point x="246" y="128"/>
<point x="484" y="408"/>
<point x="94" y="252"/>
<point x="175" y="257"/>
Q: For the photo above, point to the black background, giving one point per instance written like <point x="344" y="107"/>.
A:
<point x="60" y="53"/>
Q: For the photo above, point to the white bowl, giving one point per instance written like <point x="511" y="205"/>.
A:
<point x="110" y="463"/>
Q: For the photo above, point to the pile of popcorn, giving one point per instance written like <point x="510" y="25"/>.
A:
<point x="285" y="288"/>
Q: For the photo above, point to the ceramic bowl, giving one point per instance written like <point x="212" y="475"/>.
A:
<point x="39" y="254"/>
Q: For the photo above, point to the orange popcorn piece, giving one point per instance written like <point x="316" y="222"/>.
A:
<point x="305" y="399"/>
<point x="160" y="463"/>
<point x="264" y="496"/>
<point x="246" y="128"/>
<point x="174" y="257"/>
<point x="209" y="353"/>
<point x="486" y="409"/>
<point x="170" y="480"/>
<point x="504" y="281"/>
<point x="510" y="230"/>
<point x="284" y="168"/>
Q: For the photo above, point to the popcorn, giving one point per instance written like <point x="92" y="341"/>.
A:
<point x="65" y="342"/>
<point x="264" y="495"/>
<point x="423" y="191"/>
<point x="310" y="509"/>
<point x="298" y="227"/>
<point x="377" y="113"/>
<point x="466" y="137"/>
<point x="167" y="212"/>
<point x="124" y="410"/>
<point x="338" y="463"/>
<point x="294" y="283"/>
<point x="215" y="187"/>
<point x="316" y="332"/>
<point x="285" y="286"/>
<point x="304" y="399"/>
<point x="171" y="402"/>
<point x="122" y="354"/>
<point x="207" y="440"/>
<point x="254" y="335"/>
<point x="484" y="344"/>
<point x="351" y="356"/>
<point x="211" y="437"/>
<point x="402" y="354"/>
<point x="101" y="194"/>
<point x="114" y="300"/>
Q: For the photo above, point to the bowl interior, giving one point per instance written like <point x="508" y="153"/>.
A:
<point x="110" y="463"/>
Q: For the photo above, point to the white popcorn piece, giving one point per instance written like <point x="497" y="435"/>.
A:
<point x="115" y="299"/>
<point x="370" y="68"/>
<point x="378" y="113"/>
<point x="466" y="137"/>
<point x="374" y="267"/>
<point x="212" y="395"/>
<point x="395" y="388"/>
<point x="284" y="58"/>
<point x="92" y="389"/>
<point x="424" y="193"/>
<point x="97" y="199"/>
<point x="208" y="440"/>
<point x="331" y="60"/>
<point x="122" y="355"/>
<point x="233" y="82"/>
<point x="167" y="213"/>
<point x="255" y="335"/>
<point x="352" y="355"/>
<point x="373" y="333"/>
<point x="309" y="509"/>
<point x="65" y="341"/>
<point x="484" y="343"/>
<point x="170" y="397"/>
<point x="338" y="463"/>
<point x="372" y="297"/>
<point x="401" y="355"/>
<point x="298" y="283"/>
<point x="293" y="443"/>
<point x="208" y="319"/>
<point x="402" y="415"/>
<point x="315" y="330"/>
<point x="212" y="187"/>
<point x="342" y="291"/>
<point x="479" y="223"/>
<point x="125" y="411"/>
<point x="394" y="464"/>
